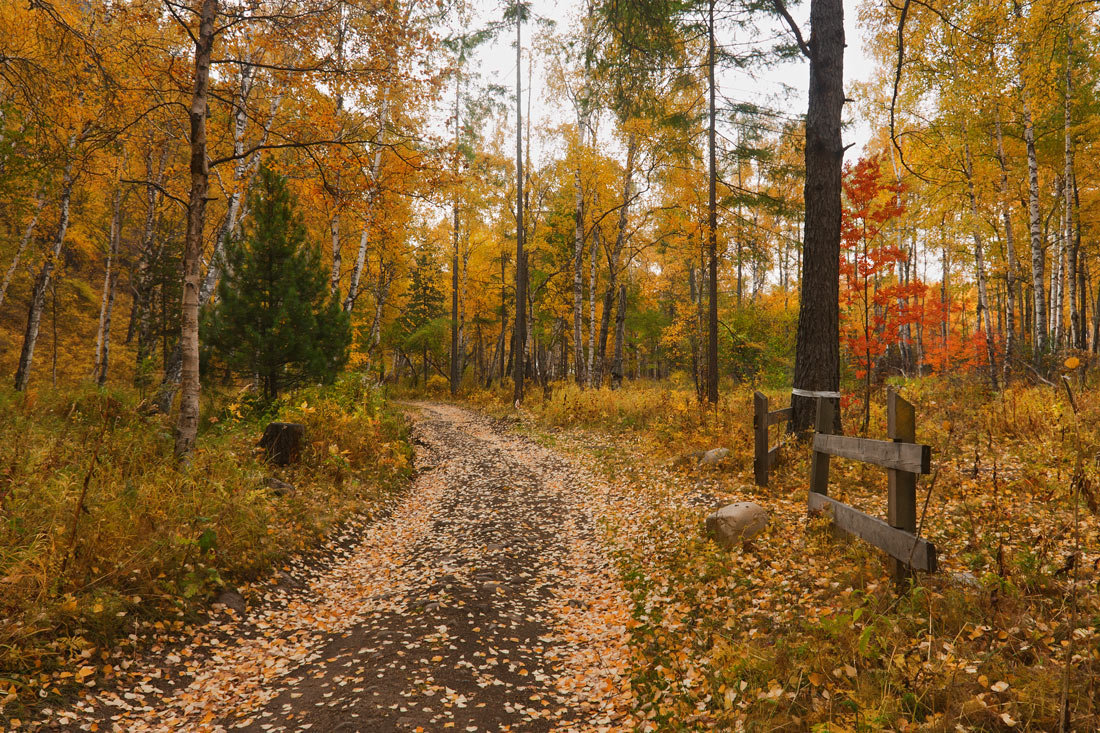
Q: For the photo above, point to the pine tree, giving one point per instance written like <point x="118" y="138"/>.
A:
<point x="275" y="318"/>
<point x="421" y="328"/>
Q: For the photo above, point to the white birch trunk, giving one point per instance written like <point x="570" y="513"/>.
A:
<point x="42" y="282"/>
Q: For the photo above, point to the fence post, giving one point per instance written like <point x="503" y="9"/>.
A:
<point x="901" y="509"/>
<point x="819" y="463"/>
<point x="760" y="433"/>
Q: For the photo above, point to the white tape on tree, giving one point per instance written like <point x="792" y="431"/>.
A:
<point x="815" y="393"/>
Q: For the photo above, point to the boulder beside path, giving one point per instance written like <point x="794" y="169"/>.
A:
<point x="734" y="524"/>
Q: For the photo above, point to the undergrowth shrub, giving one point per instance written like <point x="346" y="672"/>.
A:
<point x="99" y="524"/>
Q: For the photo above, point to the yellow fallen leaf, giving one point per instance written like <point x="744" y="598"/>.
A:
<point x="816" y="679"/>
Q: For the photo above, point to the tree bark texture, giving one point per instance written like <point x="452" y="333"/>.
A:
<point x="1038" y="261"/>
<point x="712" y="223"/>
<point x="620" y="336"/>
<point x="521" y="259"/>
<point x="28" y="234"/>
<point x="110" y="280"/>
<point x="817" y="354"/>
<point x="42" y="283"/>
<point x="187" y="426"/>
<point x="979" y="260"/>
<point x="1010" y="252"/>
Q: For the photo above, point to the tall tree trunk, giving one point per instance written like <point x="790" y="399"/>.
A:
<point x="337" y="251"/>
<point x="578" y="266"/>
<point x="979" y="259"/>
<point x="1010" y="253"/>
<point x="42" y="283"/>
<point x="712" y="223"/>
<point x="381" y="296"/>
<point x="694" y="290"/>
<point x="187" y="426"/>
<point x="620" y="336"/>
<point x="593" y="271"/>
<point x="1073" y="240"/>
<point x="1082" y="266"/>
<point x="614" y="256"/>
<point x="454" y="250"/>
<point x="817" y="353"/>
<point x="1038" y="262"/>
<point x="28" y="234"/>
<point x="1057" y="281"/>
<point x="107" y="302"/>
<point x="368" y="220"/>
<point x="945" y="306"/>
<point x="521" y="259"/>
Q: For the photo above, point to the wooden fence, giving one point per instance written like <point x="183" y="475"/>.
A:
<point x="763" y="456"/>
<point x="904" y="460"/>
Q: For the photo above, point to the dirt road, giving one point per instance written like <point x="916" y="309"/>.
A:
<point x="483" y="602"/>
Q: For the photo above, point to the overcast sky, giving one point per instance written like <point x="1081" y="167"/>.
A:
<point x="782" y="87"/>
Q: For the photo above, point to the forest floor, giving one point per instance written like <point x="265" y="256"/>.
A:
<point x="803" y="630"/>
<point x="484" y="601"/>
<point x="549" y="570"/>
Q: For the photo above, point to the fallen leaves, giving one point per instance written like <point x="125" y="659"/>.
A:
<point x="533" y="615"/>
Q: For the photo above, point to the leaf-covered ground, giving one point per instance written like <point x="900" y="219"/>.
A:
<point x="801" y="630"/>
<point x="106" y="541"/>
<point x="548" y="570"/>
<point x="483" y="601"/>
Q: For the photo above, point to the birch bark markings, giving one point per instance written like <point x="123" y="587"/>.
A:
<point x="519" y="348"/>
<point x="368" y="218"/>
<point x="1010" y="252"/>
<point x="110" y="280"/>
<point x="1072" y="232"/>
<point x="187" y="426"/>
<point x="578" y="260"/>
<point x="979" y="260"/>
<point x="42" y="282"/>
<point x="1038" y="258"/>
<point x="28" y="234"/>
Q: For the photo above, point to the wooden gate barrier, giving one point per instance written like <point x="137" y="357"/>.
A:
<point x="903" y="458"/>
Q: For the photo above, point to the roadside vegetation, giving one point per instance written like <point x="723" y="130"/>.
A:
<point x="802" y="630"/>
<point x="103" y="534"/>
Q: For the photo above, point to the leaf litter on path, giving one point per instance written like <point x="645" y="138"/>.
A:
<point x="484" y="601"/>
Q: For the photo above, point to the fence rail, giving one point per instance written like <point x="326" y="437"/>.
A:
<point x="764" y="458"/>
<point x="904" y="460"/>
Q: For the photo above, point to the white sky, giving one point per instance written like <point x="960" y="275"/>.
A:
<point x="497" y="65"/>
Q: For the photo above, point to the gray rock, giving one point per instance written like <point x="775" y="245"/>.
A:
<point x="968" y="579"/>
<point x="736" y="523"/>
<point x="279" y="488"/>
<point x="713" y="456"/>
<point x="232" y="599"/>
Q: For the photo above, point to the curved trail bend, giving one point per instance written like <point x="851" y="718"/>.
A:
<point x="484" y="602"/>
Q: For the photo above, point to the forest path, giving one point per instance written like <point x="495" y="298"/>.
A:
<point x="484" y="602"/>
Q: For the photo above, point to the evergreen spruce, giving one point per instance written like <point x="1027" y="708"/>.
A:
<point x="421" y="329"/>
<point x="275" y="319"/>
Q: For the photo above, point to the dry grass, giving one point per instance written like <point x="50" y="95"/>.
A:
<point x="803" y="631"/>
<point x="100" y="527"/>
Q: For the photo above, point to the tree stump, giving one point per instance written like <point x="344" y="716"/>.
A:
<point x="282" y="441"/>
